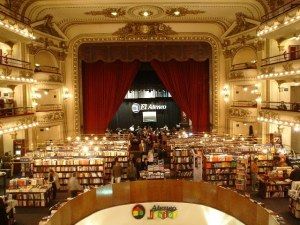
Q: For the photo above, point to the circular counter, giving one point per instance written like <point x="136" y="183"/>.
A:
<point x="216" y="200"/>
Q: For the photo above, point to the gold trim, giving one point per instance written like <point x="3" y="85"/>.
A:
<point x="205" y="37"/>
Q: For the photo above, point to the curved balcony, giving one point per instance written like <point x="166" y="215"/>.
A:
<point x="18" y="111"/>
<point x="288" y="56"/>
<point x="282" y="106"/>
<point x="178" y="191"/>
<point x="279" y="11"/>
<point x="243" y="66"/>
<point x="49" y="107"/>
<point x="48" y="74"/>
<point x="12" y="62"/>
<point x="14" y="15"/>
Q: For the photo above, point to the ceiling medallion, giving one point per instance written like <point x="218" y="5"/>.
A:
<point x="145" y="11"/>
<point x="144" y="31"/>
<point x="109" y="12"/>
<point x="181" y="11"/>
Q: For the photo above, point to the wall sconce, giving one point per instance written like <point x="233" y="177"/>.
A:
<point x="66" y="94"/>
<point x="226" y="93"/>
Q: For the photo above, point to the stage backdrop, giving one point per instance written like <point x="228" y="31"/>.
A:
<point x="104" y="86"/>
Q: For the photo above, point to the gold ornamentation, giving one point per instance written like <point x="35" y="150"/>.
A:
<point x="268" y="114"/>
<point x="241" y="24"/>
<point x="144" y="31"/>
<point x="55" y="78"/>
<point x="238" y="112"/>
<point x="288" y="66"/>
<point x="236" y="75"/>
<point x="228" y="53"/>
<point x="109" y="12"/>
<point x="48" y="26"/>
<point x="181" y="11"/>
<point x="51" y="117"/>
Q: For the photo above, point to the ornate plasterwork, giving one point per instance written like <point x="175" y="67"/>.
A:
<point x="239" y="112"/>
<point x="51" y="117"/>
<point x="151" y="30"/>
<point x="268" y="114"/>
<point x="154" y="11"/>
<point x="234" y="75"/>
<point x="203" y="37"/>
<point x="108" y="12"/>
<point x="60" y="55"/>
<point x="182" y="11"/>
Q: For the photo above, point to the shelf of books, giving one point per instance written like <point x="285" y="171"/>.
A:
<point x="220" y="169"/>
<point x="30" y="192"/>
<point x="242" y="173"/>
<point x="91" y="160"/>
<point x="294" y="199"/>
<point x="182" y="163"/>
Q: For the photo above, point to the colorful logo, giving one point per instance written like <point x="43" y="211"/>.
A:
<point x="163" y="212"/>
<point x="138" y="211"/>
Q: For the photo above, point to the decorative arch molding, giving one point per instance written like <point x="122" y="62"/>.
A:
<point x="248" y="46"/>
<point x="182" y="37"/>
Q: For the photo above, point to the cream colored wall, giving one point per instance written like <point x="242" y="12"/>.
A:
<point x="54" y="133"/>
<point x="8" y="141"/>
<point x="244" y="55"/>
<point x="242" y="128"/>
<point x="53" y="97"/>
<point x="239" y="94"/>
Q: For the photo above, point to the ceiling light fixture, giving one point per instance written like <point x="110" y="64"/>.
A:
<point x="146" y="14"/>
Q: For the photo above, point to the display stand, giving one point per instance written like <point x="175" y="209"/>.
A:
<point x="241" y="180"/>
<point x="294" y="199"/>
<point x="274" y="189"/>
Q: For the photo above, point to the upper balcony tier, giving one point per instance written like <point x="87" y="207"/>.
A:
<point x="243" y="71"/>
<point x="48" y="74"/>
<point x="12" y="112"/>
<point x="282" y="106"/>
<point x="15" y="70"/>
<point x="287" y="56"/>
<point x="250" y="104"/>
<point x="283" y="22"/>
<point x="14" y="26"/>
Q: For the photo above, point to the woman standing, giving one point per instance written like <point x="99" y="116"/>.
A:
<point x="54" y="180"/>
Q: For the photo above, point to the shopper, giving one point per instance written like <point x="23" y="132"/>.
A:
<point x="138" y="166"/>
<point x="295" y="174"/>
<point x="131" y="171"/>
<point x="254" y="174"/>
<point x="54" y="180"/>
<point x="145" y="164"/>
<point x="116" y="172"/>
<point x="3" y="214"/>
<point x="73" y="185"/>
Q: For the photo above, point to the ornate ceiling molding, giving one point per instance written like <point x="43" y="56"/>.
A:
<point x="182" y="11"/>
<point x="108" y="12"/>
<point x="144" y="31"/>
<point x="192" y="37"/>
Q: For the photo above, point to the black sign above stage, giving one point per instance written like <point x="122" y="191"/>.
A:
<point x="136" y="107"/>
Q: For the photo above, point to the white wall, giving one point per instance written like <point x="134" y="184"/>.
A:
<point x="188" y="214"/>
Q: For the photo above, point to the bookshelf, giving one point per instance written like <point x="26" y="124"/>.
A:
<point x="182" y="163"/>
<point x="274" y="189"/>
<point x="220" y="169"/>
<point x="242" y="173"/>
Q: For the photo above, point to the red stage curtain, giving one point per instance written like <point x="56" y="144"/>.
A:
<point x="188" y="83"/>
<point x="104" y="86"/>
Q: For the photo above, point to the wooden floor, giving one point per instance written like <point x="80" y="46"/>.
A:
<point x="32" y="216"/>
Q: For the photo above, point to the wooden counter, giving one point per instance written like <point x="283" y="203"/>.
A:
<point x="202" y="193"/>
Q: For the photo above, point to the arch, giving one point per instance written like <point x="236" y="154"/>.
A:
<point x="244" y="55"/>
<point x="212" y="40"/>
<point x="45" y="58"/>
<point x="180" y="191"/>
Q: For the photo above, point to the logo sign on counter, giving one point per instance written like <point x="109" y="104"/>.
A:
<point x="163" y="212"/>
<point x="138" y="211"/>
<point x="136" y="108"/>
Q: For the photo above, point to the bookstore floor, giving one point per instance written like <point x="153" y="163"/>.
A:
<point x="32" y="216"/>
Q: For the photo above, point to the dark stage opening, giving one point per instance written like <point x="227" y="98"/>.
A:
<point x="147" y="103"/>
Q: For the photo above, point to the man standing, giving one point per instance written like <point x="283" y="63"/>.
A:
<point x="254" y="174"/>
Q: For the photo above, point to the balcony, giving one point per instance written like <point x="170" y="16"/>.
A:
<point x="285" y="57"/>
<point x="49" y="107"/>
<point x="48" y="74"/>
<point x="243" y="66"/>
<point x="14" y="26"/>
<point x="47" y="118"/>
<point x="249" y="104"/>
<point x="12" y="112"/>
<point x="282" y="106"/>
<point x="279" y="11"/>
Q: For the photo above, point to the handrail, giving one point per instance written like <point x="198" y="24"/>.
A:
<point x="4" y="60"/>
<point x="283" y="106"/>
<point x="16" y="111"/>
<point x="48" y="107"/>
<point x="244" y="104"/>
<point x="15" y="15"/>
<point x="223" y="199"/>
<point x="278" y="11"/>
<point x="287" y="56"/>
<point x="241" y="66"/>
<point x="47" y="69"/>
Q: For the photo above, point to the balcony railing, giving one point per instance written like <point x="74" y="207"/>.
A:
<point x="288" y="6"/>
<point x="49" y="107"/>
<point x="14" y="62"/>
<point x="19" y="111"/>
<point x="242" y="66"/>
<point x="251" y="104"/>
<point x="282" y="106"/>
<point x="47" y="69"/>
<point x="293" y="55"/>
<point x="16" y="16"/>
